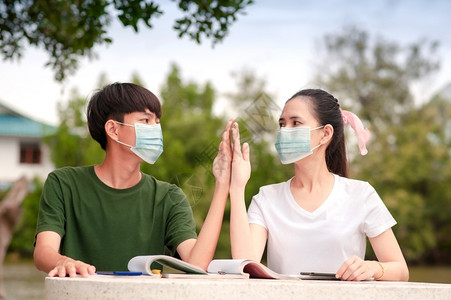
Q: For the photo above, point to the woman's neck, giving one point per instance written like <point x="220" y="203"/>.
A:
<point x="310" y="174"/>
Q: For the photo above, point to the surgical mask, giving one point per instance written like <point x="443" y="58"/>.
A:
<point x="293" y="144"/>
<point x="149" y="141"/>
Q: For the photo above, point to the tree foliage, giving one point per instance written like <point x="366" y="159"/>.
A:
<point x="72" y="144"/>
<point x="191" y="134"/>
<point x="375" y="76"/>
<point x="408" y="161"/>
<point x="69" y="30"/>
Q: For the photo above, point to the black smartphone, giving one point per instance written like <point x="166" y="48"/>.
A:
<point x="318" y="276"/>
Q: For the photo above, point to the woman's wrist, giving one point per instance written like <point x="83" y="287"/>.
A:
<point x="236" y="192"/>
<point x="237" y="186"/>
<point x="380" y="270"/>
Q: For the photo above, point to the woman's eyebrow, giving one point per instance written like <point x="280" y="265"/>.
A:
<point x="291" y="118"/>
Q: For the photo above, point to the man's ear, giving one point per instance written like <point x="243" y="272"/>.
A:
<point x="328" y="131"/>
<point x="111" y="129"/>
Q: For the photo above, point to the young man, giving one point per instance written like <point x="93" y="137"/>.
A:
<point x="98" y="217"/>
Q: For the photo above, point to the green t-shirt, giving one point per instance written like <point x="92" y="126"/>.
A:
<point x="106" y="227"/>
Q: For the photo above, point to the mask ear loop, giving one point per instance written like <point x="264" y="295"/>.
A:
<point x="363" y="134"/>
<point x="319" y="127"/>
<point x="123" y="142"/>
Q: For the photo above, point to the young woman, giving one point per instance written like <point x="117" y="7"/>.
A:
<point x="318" y="220"/>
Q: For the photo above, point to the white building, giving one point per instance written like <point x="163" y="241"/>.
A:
<point x="22" y="152"/>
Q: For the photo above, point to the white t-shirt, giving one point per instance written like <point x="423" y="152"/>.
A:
<point x="318" y="241"/>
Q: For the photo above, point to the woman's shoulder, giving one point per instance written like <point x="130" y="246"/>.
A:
<point x="275" y="187"/>
<point x="350" y="181"/>
<point x="272" y="191"/>
<point x="351" y="185"/>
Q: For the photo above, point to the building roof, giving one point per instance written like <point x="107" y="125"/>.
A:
<point x="13" y="123"/>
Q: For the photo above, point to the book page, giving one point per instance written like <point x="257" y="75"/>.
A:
<point x="142" y="264"/>
<point x="244" y="266"/>
<point x="139" y="264"/>
<point x="228" y="266"/>
<point x="257" y="270"/>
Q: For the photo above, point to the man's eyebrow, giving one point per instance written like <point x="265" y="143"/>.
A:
<point x="151" y="114"/>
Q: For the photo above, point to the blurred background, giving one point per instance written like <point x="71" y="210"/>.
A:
<point x="207" y="61"/>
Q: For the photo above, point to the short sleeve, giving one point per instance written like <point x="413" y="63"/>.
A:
<point x="254" y="213"/>
<point x="51" y="207"/>
<point x="180" y="223"/>
<point x="378" y="219"/>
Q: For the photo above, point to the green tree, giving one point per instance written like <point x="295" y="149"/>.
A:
<point x="374" y="76"/>
<point x="192" y="133"/>
<point x="257" y="115"/>
<point x="408" y="158"/>
<point x="72" y="144"/>
<point x="69" y="30"/>
<point x="434" y="118"/>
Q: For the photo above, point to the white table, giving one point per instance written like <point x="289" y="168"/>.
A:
<point x="144" y="287"/>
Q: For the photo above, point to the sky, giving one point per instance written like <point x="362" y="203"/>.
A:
<point x="278" y="40"/>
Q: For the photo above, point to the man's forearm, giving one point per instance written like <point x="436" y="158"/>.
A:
<point x="205" y="246"/>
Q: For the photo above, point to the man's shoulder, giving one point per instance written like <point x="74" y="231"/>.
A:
<point x="72" y="171"/>
<point x="162" y="186"/>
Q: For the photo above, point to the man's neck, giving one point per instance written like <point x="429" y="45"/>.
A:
<point x="118" y="174"/>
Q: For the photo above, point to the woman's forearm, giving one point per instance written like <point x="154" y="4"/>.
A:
<point x="240" y="233"/>
<point x="392" y="271"/>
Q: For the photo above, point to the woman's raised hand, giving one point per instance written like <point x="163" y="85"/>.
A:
<point x="241" y="165"/>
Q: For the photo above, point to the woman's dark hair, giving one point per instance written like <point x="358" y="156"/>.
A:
<point x="326" y="109"/>
<point x="113" y="102"/>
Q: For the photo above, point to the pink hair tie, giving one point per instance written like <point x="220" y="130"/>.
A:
<point x="363" y="134"/>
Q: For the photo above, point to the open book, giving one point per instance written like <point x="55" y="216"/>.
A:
<point x="143" y="264"/>
<point x="244" y="266"/>
<point x="226" y="268"/>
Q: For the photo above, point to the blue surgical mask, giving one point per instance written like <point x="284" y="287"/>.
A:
<point x="149" y="141"/>
<point x="293" y="143"/>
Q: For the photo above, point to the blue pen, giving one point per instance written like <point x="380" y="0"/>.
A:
<point x="120" y="273"/>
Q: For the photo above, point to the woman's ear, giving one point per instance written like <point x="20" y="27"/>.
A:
<point x="111" y="129"/>
<point x="328" y="131"/>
